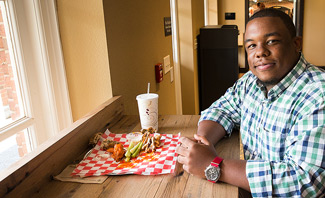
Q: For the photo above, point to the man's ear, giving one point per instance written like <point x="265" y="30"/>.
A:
<point x="298" y="43"/>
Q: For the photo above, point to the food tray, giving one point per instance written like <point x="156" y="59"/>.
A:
<point x="99" y="162"/>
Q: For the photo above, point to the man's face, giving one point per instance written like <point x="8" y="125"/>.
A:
<point x="271" y="51"/>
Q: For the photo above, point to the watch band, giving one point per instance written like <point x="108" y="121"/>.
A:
<point x="216" y="162"/>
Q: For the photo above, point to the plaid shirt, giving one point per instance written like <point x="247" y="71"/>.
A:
<point x="283" y="131"/>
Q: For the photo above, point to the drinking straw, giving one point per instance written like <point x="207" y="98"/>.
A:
<point x="148" y="88"/>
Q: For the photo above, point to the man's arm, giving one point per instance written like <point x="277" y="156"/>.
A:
<point x="234" y="172"/>
<point x="211" y="130"/>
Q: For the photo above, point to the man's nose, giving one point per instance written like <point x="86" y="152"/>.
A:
<point x="262" y="51"/>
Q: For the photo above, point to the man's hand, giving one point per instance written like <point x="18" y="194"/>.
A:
<point x="195" y="154"/>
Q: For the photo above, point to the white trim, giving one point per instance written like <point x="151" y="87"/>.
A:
<point x="19" y="61"/>
<point x="15" y="127"/>
<point x="206" y="12"/>
<point x="36" y="70"/>
<point x="36" y="40"/>
<point x="16" y="58"/>
<point x="44" y="61"/>
<point x="15" y="43"/>
<point x="55" y="62"/>
<point x="294" y="12"/>
<point x="177" y="69"/>
<point x="210" y="16"/>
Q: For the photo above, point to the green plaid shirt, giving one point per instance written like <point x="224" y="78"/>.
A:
<point x="283" y="133"/>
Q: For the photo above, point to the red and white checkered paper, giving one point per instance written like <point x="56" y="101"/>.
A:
<point x="99" y="162"/>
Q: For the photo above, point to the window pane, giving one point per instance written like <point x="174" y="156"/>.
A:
<point x="11" y="108"/>
<point x="13" y="148"/>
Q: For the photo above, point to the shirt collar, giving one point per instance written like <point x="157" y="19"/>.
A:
<point x="286" y="81"/>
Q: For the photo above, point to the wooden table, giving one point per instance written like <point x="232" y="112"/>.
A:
<point x="131" y="186"/>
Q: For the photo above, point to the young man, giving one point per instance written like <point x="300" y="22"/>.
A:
<point x="280" y="109"/>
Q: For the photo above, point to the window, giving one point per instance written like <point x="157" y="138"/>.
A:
<point x="34" y="102"/>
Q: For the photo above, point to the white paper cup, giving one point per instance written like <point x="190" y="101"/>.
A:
<point x="148" y="110"/>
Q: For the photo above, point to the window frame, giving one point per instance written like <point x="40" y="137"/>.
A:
<point x="35" y="37"/>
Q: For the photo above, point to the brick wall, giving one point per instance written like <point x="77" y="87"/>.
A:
<point x="8" y="89"/>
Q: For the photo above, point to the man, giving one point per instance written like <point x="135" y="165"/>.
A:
<point x="280" y="109"/>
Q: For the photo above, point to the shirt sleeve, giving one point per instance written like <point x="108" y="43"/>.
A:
<point x="226" y="110"/>
<point x="302" y="171"/>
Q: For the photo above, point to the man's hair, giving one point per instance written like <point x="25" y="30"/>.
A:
<point x="271" y="12"/>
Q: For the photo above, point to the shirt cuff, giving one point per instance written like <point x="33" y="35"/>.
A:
<point x="259" y="175"/>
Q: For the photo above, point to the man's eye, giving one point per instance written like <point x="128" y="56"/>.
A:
<point x="270" y="42"/>
<point x="251" y="46"/>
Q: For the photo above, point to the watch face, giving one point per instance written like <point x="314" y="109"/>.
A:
<point x="212" y="173"/>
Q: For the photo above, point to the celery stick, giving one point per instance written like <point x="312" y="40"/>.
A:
<point x="135" y="148"/>
<point x="127" y="159"/>
<point x="136" y="153"/>
<point x="128" y="153"/>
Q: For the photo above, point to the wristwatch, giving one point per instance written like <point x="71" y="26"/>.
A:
<point x="212" y="172"/>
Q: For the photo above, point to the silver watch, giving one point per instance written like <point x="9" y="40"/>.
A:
<point x="212" y="172"/>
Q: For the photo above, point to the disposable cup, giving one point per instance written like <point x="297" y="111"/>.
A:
<point x="148" y="110"/>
